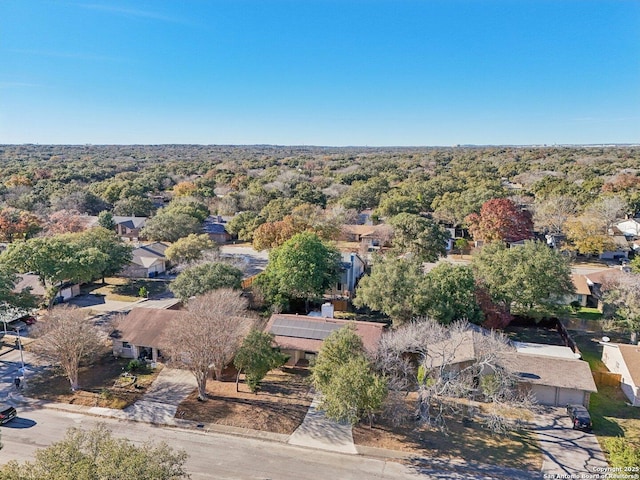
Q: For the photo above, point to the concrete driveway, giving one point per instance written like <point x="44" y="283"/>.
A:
<point x="160" y="403"/>
<point x="317" y="431"/>
<point x="566" y="451"/>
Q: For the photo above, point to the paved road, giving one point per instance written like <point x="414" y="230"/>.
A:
<point x="210" y="455"/>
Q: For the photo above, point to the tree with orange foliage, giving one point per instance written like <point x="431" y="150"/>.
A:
<point x="17" y="224"/>
<point x="184" y="189"/>
<point x="65" y="221"/>
<point x="500" y="220"/>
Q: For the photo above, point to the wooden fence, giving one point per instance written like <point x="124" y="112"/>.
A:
<point x="607" y="379"/>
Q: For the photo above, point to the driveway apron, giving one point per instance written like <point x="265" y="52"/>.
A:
<point x="317" y="431"/>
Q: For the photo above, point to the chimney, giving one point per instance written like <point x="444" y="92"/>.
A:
<point x="327" y="310"/>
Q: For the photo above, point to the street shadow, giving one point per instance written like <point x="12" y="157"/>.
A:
<point x="20" y="423"/>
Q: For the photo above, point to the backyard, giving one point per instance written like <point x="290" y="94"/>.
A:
<point x="125" y="289"/>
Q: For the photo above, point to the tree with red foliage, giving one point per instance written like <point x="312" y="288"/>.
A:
<point x="500" y="220"/>
<point x="17" y="224"/>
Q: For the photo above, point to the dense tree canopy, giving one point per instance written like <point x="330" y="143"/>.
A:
<point x="531" y="280"/>
<point x="419" y="236"/>
<point x="204" y="278"/>
<point x="96" y="455"/>
<point x="304" y="267"/>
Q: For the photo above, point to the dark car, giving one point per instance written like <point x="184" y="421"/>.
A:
<point x="580" y="417"/>
<point x="7" y="413"/>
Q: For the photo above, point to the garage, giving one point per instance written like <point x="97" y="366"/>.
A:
<point x="554" y="381"/>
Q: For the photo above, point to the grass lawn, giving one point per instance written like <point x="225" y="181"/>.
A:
<point x="125" y="289"/>
<point x="586" y="313"/>
<point x="100" y="385"/>
<point x="280" y="405"/>
<point x="610" y="412"/>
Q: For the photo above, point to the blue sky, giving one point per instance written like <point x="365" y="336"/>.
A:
<point x="321" y="72"/>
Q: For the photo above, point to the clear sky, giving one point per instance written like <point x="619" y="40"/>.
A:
<point x="320" y="72"/>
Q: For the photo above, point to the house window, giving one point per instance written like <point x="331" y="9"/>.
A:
<point x="126" y="345"/>
<point x="580" y="297"/>
<point x="339" y="287"/>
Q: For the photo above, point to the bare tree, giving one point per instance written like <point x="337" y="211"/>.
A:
<point x="210" y="334"/>
<point x="607" y="210"/>
<point x="66" y="337"/>
<point x="447" y="363"/>
<point x="621" y="298"/>
<point x="552" y="213"/>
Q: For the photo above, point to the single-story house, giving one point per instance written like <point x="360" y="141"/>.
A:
<point x="301" y="336"/>
<point x="595" y="281"/>
<point x="128" y="228"/>
<point x="370" y="237"/>
<point x="141" y="334"/>
<point x="214" y="226"/>
<point x="31" y="282"/>
<point x="621" y="250"/>
<point x="629" y="227"/>
<point x="148" y="261"/>
<point x="625" y="360"/>
<point x="552" y="374"/>
<point x="582" y="288"/>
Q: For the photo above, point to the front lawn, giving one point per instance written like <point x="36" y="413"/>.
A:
<point x="470" y="441"/>
<point x="101" y="384"/>
<point x="125" y="289"/>
<point x="280" y="405"/>
<point x="586" y="313"/>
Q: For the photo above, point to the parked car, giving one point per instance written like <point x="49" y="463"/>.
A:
<point x="580" y="418"/>
<point x="7" y="413"/>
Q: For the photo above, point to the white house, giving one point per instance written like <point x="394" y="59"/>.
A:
<point x="624" y="360"/>
<point x="630" y="227"/>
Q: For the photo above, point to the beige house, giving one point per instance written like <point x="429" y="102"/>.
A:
<point x="147" y="261"/>
<point x="624" y="360"/>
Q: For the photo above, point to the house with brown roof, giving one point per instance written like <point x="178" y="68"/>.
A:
<point x="301" y="336"/>
<point x="370" y="237"/>
<point x="582" y="291"/>
<point x="553" y="376"/>
<point x="624" y="360"/>
<point x="128" y="228"/>
<point x="142" y="333"/>
<point x="31" y="283"/>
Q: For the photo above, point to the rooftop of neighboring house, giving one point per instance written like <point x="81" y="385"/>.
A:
<point x="599" y="276"/>
<point x="130" y="222"/>
<point x="301" y="332"/>
<point x="580" y="284"/>
<point x="32" y="282"/>
<point x="145" y="255"/>
<point x="556" y="351"/>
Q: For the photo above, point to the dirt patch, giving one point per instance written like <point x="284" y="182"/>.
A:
<point x="101" y="385"/>
<point x="279" y="407"/>
<point x="470" y="441"/>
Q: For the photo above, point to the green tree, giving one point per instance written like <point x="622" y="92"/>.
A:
<point x="169" y="226"/>
<point x="188" y="206"/>
<point x="204" y="278"/>
<point x="190" y="248"/>
<point x="391" y="288"/>
<point x="136" y="206"/>
<point x="105" y="220"/>
<point x="244" y="224"/>
<point x="419" y="236"/>
<point x="531" y="280"/>
<point x="257" y="357"/>
<point x="96" y="455"/>
<point x="447" y="294"/>
<point x="304" y="267"/>
<point x="351" y="389"/>
<point x="115" y="253"/>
